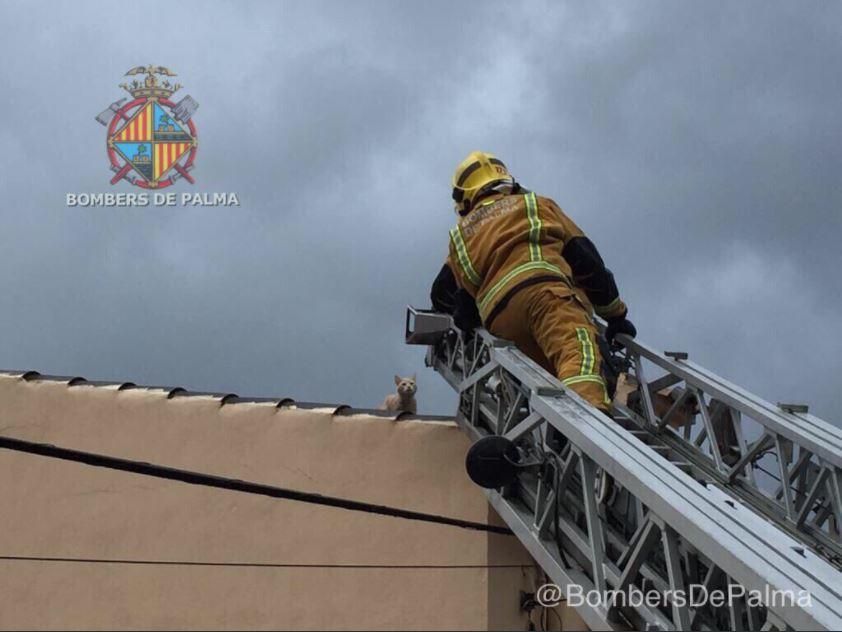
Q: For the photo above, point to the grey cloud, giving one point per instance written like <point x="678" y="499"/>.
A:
<point x="696" y="143"/>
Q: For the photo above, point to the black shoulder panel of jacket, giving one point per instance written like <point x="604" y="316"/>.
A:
<point x="444" y="290"/>
<point x="589" y="271"/>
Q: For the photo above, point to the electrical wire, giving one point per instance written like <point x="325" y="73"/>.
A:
<point x="218" y="482"/>
<point x="83" y="560"/>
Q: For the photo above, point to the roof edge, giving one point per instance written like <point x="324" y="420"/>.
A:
<point x="225" y="399"/>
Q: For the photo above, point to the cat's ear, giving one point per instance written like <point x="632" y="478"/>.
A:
<point x="397" y="379"/>
<point x="413" y="377"/>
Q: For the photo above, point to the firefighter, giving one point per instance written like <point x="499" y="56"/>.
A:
<point x="523" y="269"/>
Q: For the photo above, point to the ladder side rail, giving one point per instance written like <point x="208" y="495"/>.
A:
<point x="820" y="441"/>
<point x="815" y="434"/>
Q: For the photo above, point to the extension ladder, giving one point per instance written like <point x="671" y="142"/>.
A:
<point x="742" y="499"/>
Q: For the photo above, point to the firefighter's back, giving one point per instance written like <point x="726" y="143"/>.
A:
<point x="507" y="241"/>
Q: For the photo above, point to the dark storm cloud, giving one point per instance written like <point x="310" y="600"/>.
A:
<point x="697" y="144"/>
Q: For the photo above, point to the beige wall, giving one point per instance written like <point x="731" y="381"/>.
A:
<point x="416" y="575"/>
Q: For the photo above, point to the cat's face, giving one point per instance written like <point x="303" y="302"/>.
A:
<point x="406" y="385"/>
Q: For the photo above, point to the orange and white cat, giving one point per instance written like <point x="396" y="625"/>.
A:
<point x="404" y="399"/>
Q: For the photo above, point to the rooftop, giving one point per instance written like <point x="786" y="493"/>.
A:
<point x="225" y="399"/>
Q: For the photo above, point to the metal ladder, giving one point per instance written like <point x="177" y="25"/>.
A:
<point x="742" y="500"/>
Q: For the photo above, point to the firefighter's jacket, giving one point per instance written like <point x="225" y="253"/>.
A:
<point x="508" y="242"/>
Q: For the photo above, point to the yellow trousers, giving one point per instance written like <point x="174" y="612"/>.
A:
<point x="551" y="325"/>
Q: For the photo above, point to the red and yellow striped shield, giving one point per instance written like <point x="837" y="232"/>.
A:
<point x="166" y="154"/>
<point x="139" y="128"/>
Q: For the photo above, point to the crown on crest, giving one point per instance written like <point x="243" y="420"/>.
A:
<point x="151" y="85"/>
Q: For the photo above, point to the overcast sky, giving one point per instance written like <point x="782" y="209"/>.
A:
<point x="698" y="144"/>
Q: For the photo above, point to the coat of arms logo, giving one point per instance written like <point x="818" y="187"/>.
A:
<point x="151" y="140"/>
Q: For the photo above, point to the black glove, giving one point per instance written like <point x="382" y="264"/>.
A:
<point x="465" y="313"/>
<point x="619" y="325"/>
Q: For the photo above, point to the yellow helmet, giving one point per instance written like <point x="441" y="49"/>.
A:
<point x="477" y="173"/>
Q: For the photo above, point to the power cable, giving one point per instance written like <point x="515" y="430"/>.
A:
<point x="218" y="482"/>
<point x="83" y="560"/>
